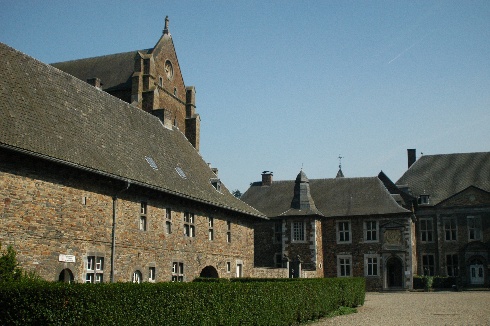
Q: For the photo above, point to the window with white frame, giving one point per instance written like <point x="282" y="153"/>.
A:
<point x="426" y="230"/>
<point x="371" y="231"/>
<point x="228" y="231"/>
<point x="177" y="272"/>
<point x="210" y="228"/>
<point x="371" y="265"/>
<point x="143" y="213"/>
<point x="428" y="265"/>
<point x="344" y="265"/>
<point x="450" y="229"/>
<point x="228" y="267"/>
<point x="452" y="265"/>
<point x="136" y="277"/>
<point x="151" y="274"/>
<point x="343" y="232"/>
<point x="168" y="220"/>
<point x="94" y="269"/>
<point x="474" y="228"/>
<point x="189" y="228"/>
<point x="278" y="232"/>
<point x="298" y="231"/>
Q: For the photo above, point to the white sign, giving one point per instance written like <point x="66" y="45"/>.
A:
<point x="67" y="258"/>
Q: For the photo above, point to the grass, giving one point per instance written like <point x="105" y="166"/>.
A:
<point x="339" y="312"/>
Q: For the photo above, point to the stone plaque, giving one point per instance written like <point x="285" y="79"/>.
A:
<point x="393" y="237"/>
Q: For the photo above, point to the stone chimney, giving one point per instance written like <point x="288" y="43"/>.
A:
<point x="267" y="178"/>
<point x="165" y="117"/>
<point x="412" y="156"/>
<point x="95" y="82"/>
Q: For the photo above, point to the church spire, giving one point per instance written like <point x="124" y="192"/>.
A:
<point x="340" y="174"/>
<point x="165" y="30"/>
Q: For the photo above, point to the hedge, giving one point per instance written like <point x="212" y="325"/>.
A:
<point x="198" y="303"/>
<point x="439" y="282"/>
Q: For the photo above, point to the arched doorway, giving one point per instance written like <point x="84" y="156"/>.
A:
<point x="66" y="276"/>
<point x="477" y="276"/>
<point x="394" y="272"/>
<point x="209" y="271"/>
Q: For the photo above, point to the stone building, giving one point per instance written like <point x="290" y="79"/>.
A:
<point x="334" y="228"/>
<point x="453" y="214"/>
<point x="93" y="189"/>
<point x="150" y="79"/>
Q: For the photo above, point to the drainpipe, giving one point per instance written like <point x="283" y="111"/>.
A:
<point x="114" y="215"/>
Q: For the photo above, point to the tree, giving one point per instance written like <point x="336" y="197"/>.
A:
<point x="237" y="193"/>
<point x="9" y="267"/>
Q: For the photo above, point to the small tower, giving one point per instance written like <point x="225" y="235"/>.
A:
<point x="165" y="30"/>
<point x="340" y="174"/>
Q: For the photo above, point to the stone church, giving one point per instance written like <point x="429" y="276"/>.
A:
<point x="95" y="188"/>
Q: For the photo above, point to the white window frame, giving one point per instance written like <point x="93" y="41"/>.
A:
<point x="136" y="277"/>
<point x="427" y="229"/>
<point x="189" y="227"/>
<point x="143" y="223"/>
<point x="371" y="231"/>
<point x="369" y="261"/>
<point x="344" y="232"/>
<point x="94" y="269"/>
<point x="177" y="271"/>
<point x="344" y="261"/>
<point x="152" y="274"/>
<point x="298" y="231"/>
<point x="210" y="228"/>
<point x="168" y="220"/>
<point x="451" y="229"/>
<point x="474" y="228"/>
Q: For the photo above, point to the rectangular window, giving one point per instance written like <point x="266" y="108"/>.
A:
<point x="177" y="272"/>
<point x="474" y="227"/>
<point x="278" y="232"/>
<point x="94" y="269"/>
<point x="228" y="267"/>
<point x="298" y="231"/>
<point x="343" y="232"/>
<point x="228" y="232"/>
<point x="452" y="265"/>
<point x="426" y="230"/>
<point x="210" y="228"/>
<point x="278" y="260"/>
<point x="371" y="265"/>
<point x="428" y="265"/>
<point x="143" y="211"/>
<point x="344" y="265"/>
<point x="370" y="231"/>
<point x="151" y="274"/>
<point x="189" y="228"/>
<point x="168" y="220"/>
<point x="450" y="229"/>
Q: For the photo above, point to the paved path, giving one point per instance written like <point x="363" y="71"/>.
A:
<point x="419" y="308"/>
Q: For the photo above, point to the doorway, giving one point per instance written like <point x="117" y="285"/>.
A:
<point x="476" y="272"/>
<point x="394" y="272"/>
<point x="66" y="276"/>
<point x="209" y="272"/>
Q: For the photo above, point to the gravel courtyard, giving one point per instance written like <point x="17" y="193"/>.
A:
<point x="419" y="308"/>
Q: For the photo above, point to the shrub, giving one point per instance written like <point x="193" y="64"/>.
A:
<point x="252" y="302"/>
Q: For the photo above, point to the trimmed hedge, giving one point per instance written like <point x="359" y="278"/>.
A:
<point x="203" y="303"/>
<point x="439" y="282"/>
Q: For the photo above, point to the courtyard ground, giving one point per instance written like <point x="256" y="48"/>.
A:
<point x="418" y="308"/>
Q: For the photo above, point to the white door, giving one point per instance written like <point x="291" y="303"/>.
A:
<point x="476" y="274"/>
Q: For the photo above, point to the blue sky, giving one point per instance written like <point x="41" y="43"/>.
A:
<point x="285" y="85"/>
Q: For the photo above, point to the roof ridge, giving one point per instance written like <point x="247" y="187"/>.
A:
<point x="100" y="56"/>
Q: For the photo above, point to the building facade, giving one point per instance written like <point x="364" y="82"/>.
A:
<point x="453" y="214"/>
<point x="336" y="227"/>
<point x="94" y="189"/>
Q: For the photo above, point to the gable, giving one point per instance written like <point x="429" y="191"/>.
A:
<point x="471" y="196"/>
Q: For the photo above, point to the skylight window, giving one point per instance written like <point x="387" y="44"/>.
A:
<point x="181" y="172"/>
<point x="151" y="162"/>
<point x="216" y="184"/>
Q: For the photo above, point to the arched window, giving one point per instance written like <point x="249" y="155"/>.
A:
<point x="137" y="277"/>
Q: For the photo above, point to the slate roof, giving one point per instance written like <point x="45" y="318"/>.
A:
<point x="114" y="70"/>
<point x="441" y="176"/>
<point x="49" y="113"/>
<point x="335" y="197"/>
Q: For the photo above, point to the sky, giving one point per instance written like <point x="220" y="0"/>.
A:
<point x="289" y="85"/>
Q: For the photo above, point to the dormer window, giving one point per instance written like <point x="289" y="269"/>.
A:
<point x="424" y="200"/>
<point x="216" y="184"/>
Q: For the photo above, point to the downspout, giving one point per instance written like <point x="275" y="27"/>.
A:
<point x="114" y="215"/>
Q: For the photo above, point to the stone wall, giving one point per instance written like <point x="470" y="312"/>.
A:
<point x="48" y="210"/>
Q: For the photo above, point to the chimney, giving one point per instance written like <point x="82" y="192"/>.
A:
<point x="165" y="117"/>
<point x="95" y="82"/>
<point x="412" y="156"/>
<point x="267" y="178"/>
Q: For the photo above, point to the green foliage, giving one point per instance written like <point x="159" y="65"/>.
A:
<point x="438" y="282"/>
<point x="269" y="302"/>
<point x="9" y="267"/>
